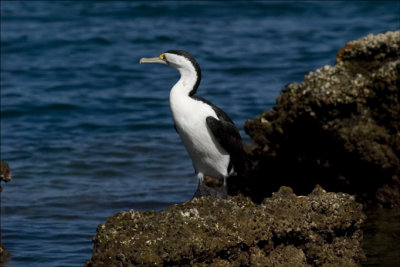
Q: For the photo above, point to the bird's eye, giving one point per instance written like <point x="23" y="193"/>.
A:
<point x="162" y="56"/>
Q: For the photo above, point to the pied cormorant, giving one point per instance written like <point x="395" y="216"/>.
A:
<point x="208" y="134"/>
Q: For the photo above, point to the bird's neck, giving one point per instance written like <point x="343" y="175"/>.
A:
<point x="180" y="95"/>
<point x="187" y="84"/>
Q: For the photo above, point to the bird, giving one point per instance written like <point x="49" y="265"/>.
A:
<point x="209" y="135"/>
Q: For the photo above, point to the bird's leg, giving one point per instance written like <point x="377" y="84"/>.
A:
<point x="201" y="177"/>
<point x="211" y="187"/>
<point x="201" y="188"/>
<point x="225" y="187"/>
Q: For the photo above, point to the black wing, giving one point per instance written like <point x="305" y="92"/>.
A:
<point x="229" y="138"/>
<point x="227" y="135"/>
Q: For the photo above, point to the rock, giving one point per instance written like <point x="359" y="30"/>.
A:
<point x="284" y="230"/>
<point x="5" y="175"/>
<point x="339" y="128"/>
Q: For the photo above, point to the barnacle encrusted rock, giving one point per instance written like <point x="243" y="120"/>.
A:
<point x="284" y="230"/>
<point x="339" y="128"/>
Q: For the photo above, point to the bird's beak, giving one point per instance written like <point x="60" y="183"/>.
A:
<point x="160" y="59"/>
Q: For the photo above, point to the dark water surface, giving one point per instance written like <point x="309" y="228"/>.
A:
<point x="87" y="130"/>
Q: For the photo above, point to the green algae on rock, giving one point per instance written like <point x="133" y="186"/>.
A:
<point x="320" y="228"/>
<point x="339" y="128"/>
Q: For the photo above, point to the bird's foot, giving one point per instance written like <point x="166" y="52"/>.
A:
<point x="211" y="187"/>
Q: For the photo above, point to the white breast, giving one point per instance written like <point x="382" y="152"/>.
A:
<point x="208" y="157"/>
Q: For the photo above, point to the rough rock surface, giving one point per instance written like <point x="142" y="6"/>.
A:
<point x="284" y="230"/>
<point x="339" y="128"/>
<point x="5" y="175"/>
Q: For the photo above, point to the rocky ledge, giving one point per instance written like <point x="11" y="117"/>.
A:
<point x="5" y="175"/>
<point x="284" y="230"/>
<point x="339" y="128"/>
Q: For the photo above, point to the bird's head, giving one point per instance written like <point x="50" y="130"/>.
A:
<point x="178" y="59"/>
<point x="184" y="63"/>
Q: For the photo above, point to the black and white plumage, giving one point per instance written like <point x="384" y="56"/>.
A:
<point x="208" y="134"/>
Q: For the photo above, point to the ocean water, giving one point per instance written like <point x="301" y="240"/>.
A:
<point x="86" y="129"/>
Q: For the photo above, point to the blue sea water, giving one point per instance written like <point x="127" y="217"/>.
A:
<point x="86" y="129"/>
